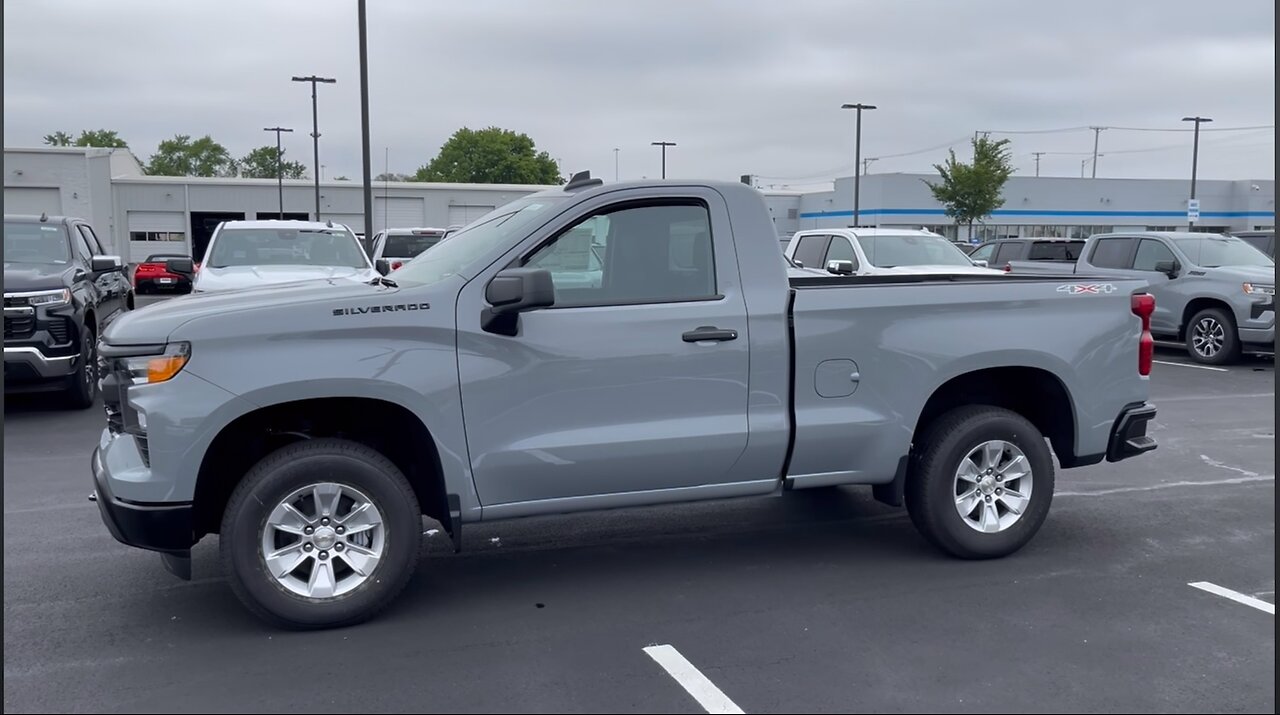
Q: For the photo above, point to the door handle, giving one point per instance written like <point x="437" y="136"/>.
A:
<point x="709" y="332"/>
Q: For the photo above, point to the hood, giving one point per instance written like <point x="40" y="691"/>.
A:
<point x="156" y="322"/>
<point x="1251" y="274"/>
<point x="938" y="270"/>
<point x="23" y="277"/>
<point x="237" y="277"/>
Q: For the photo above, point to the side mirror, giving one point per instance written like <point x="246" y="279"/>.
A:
<point x="182" y="266"/>
<point x="106" y="264"/>
<point x="982" y="263"/>
<point x="840" y="268"/>
<point x="797" y="262"/>
<point x="1169" y="268"/>
<point x="512" y="292"/>
<point x="383" y="266"/>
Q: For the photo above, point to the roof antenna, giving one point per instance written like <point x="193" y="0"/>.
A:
<point x="44" y="217"/>
<point x="329" y="223"/>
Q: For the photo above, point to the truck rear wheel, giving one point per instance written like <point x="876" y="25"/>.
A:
<point x="1212" y="338"/>
<point x="982" y="483"/>
<point x="321" y="533"/>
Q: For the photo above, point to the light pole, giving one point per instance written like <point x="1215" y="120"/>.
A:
<point x="1037" y="155"/>
<point x="615" y="163"/>
<point x="857" y="154"/>
<point x="1096" y="131"/>
<point x="315" y="128"/>
<point x="1195" y="156"/>
<point x="364" y="124"/>
<point x="279" y="165"/>
<point x="664" y="146"/>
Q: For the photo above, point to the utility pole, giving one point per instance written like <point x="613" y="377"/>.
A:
<point x="615" y="163"/>
<point x="1096" y="132"/>
<point x="279" y="166"/>
<point x="664" y="146"/>
<point x="315" y="128"/>
<point x="364" y="123"/>
<point x="867" y="163"/>
<point x="857" y="153"/>
<point x="1195" y="156"/>
<point x="1037" y="155"/>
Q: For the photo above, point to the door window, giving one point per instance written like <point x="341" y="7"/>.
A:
<point x="1112" y="253"/>
<point x="840" y="250"/>
<point x="1151" y="252"/>
<point x="810" y="250"/>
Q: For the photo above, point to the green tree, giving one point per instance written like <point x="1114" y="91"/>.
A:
<point x="342" y="178"/>
<point x="88" y="137"/>
<point x="392" y="176"/>
<point x="180" y="156"/>
<point x="261" y="164"/>
<point x="970" y="192"/>
<point x="491" y="156"/>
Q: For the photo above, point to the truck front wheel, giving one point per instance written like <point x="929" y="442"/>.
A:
<point x="1212" y="338"/>
<point x="321" y="533"/>
<point x="982" y="482"/>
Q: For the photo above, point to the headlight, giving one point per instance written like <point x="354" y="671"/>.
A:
<point x="49" y="298"/>
<point x="1260" y="289"/>
<point x="150" y="369"/>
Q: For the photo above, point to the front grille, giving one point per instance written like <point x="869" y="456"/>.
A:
<point x="19" y="326"/>
<point x="60" y="330"/>
<point x="144" y="449"/>
<point x="115" y="418"/>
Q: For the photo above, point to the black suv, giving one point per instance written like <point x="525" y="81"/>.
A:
<point x="60" y="291"/>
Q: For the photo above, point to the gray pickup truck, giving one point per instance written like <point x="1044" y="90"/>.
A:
<point x="1214" y="293"/>
<point x="312" y="425"/>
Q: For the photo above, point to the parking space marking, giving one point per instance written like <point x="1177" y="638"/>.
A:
<point x="1217" y="590"/>
<point x="1170" y="485"/>
<point x="692" y="680"/>
<point x="1222" y="465"/>
<point x="1187" y="364"/>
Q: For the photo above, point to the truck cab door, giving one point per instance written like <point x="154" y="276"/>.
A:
<point x="1156" y="262"/>
<point x="110" y="285"/>
<point x="635" y="380"/>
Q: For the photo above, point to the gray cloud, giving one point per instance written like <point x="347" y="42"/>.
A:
<point x="742" y="86"/>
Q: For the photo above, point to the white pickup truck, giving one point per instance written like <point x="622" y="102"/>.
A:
<point x="879" y="252"/>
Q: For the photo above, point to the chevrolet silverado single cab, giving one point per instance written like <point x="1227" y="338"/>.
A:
<point x="311" y="426"/>
<point x="1214" y="293"/>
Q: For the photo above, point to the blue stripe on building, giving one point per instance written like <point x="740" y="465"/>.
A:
<point x="1029" y="212"/>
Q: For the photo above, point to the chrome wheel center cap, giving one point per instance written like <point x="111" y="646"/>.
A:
<point x="987" y="485"/>
<point x="324" y="538"/>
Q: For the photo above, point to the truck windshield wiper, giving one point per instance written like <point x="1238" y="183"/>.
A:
<point x="384" y="281"/>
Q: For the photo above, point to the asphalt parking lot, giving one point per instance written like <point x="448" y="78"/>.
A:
<point x="817" y="601"/>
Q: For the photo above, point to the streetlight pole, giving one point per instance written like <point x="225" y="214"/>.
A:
<point x="1096" y="131"/>
<point x="664" y="146"/>
<point x="857" y="154"/>
<point x="1195" y="156"/>
<point x="279" y="165"/>
<point x="315" y="128"/>
<point x="1037" y="155"/>
<point x="364" y="124"/>
<point x="615" y="163"/>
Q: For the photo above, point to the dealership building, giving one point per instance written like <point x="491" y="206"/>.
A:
<point x="141" y="214"/>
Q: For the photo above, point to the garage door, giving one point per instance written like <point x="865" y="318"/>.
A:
<point x="395" y="212"/>
<point x="460" y="215"/>
<point x="31" y="200"/>
<point x="156" y="232"/>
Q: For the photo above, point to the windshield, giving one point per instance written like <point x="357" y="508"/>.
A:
<point x="408" y="245"/>
<point x="505" y="224"/>
<point x="286" y="247"/>
<point x="889" y="251"/>
<point x="1213" y="252"/>
<point x="35" y="243"/>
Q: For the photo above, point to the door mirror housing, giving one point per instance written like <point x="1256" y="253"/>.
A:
<point x="383" y="266"/>
<point x="982" y="263"/>
<point x="512" y="292"/>
<point x="1169" y="268"/>
<point x="181" y="266"/>
<point x="840" y="268"/>
<point x="106" y="264"/>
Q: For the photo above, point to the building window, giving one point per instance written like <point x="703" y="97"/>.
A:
<point x="157" y="236"/>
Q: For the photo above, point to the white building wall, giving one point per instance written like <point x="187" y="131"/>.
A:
<point x="81" y="176"/>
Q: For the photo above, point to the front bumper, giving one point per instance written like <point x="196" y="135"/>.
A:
<point x="1129" y="436"/>
<point x="29" y="361"/>
<point x="158" y="527"/>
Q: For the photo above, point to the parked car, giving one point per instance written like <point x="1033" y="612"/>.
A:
<point x="879" y="251"/>
<point x="61" y="290"/>
<point x="153" y="275"/>
<point x="398" y="246"/>
<point x="247" y="254"/>
<point x="1002" y="252"/>
<point x="1214" y="293"/>
<point x="1264" y="241"/>
<point x="312" y="425"/>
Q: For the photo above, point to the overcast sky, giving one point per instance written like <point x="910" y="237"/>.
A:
<point x="742" y="86"/>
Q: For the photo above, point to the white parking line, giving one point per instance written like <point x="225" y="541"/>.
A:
<point x="1217" y="590"/>
<point x="1169" y="485"/>
<point x="1187" y="364"/>
<point x="692" y="680"/>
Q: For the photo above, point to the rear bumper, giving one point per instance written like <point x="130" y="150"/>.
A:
<point x="157" y="527"/>
<point x="1129" y="435"/>
<point x="28" y="360"/>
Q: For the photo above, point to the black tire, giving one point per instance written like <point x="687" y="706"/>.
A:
<point x="1213" y="320"/>
<point x="82" y="390"/>
<point x="293" y="467"/>
<point x="931" y="486"/>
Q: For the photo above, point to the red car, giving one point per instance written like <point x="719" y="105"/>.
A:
<point x="152" y="275"/>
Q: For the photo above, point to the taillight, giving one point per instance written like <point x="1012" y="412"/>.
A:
<point x="1143" y="305"/>
<point x="1008" y="268"/>
<point x="395" y="265"/>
